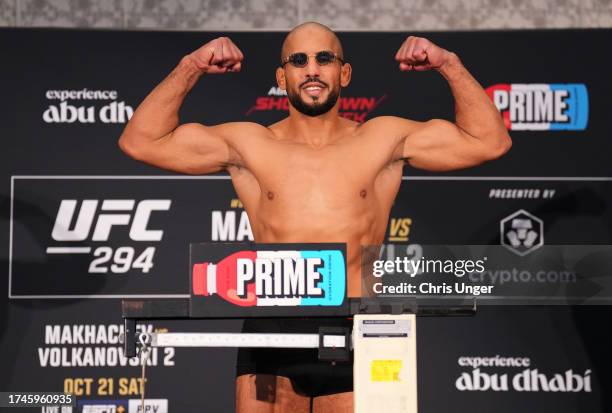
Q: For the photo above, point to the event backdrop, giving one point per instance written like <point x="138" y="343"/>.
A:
<point x="67" y="96"/>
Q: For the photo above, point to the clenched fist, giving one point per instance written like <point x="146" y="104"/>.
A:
<point x="418" y="53"/>
<point x="220" y="55"/>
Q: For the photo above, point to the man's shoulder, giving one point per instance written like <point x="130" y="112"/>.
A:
<point x="252" y="126"/>
<point x="386" y="120"/>
<point x="387" y="125"/>
<point x="279" y="130"/>
<point x="277" y="125"/>
<point x="242" y="130"/>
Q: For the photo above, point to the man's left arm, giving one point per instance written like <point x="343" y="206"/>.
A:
<point x="478" y="133"/>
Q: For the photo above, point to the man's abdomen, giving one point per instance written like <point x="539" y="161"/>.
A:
<point x="356" y="227"/>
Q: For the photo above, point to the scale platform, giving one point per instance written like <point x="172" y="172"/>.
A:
<point x="137" y="311"/>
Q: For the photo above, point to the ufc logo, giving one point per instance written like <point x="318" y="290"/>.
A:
<point x="139" y="230"/>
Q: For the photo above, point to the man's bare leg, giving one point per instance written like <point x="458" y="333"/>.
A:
<point x="334" y="403"/>
<point x="265" y="393"/>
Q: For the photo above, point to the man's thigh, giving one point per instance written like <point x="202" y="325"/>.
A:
<point x="334" y="403"/>
<point x="265" y="393"/>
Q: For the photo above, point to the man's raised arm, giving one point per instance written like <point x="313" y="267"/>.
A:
<point x="153" y="134"/>
<point x="478" y="133"/>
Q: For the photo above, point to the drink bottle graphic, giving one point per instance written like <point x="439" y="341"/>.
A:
<point x="222" y="279"/>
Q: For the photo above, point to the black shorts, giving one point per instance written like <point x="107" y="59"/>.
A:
<point x="308" y="375"/>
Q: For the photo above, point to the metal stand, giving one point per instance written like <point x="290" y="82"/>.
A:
<point x="383" y="340"/>
<point x="333" y="342"/>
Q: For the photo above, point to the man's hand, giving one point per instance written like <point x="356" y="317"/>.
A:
<point x="220" y="55"/>
<point x="418" y="53"/>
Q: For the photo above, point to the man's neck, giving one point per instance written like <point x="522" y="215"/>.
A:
<point x="316" y="131"/>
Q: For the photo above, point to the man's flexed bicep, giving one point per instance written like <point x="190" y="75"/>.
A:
<point x="196" y="149"/>
<point x="438" y="145"/>
<point x="478" y="133"/>
<point x="153" y="134"/>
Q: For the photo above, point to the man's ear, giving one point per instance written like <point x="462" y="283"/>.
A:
<point x="280" y="78"/>
<point x="345" y="74"/>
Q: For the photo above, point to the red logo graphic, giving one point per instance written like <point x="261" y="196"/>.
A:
<point x="356" y="108"/>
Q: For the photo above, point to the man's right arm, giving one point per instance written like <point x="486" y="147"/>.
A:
<point x="153" y="134"/>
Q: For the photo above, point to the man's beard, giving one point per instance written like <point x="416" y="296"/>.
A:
<point x="316" y="108"/>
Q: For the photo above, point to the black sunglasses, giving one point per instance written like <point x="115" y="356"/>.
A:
<point x="300" y="59"/>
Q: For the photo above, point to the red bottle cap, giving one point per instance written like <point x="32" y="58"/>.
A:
<point x="199" y="279"/>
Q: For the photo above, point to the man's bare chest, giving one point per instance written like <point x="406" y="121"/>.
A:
<point x="294" y="162"/>
<point x="333" y="176"/>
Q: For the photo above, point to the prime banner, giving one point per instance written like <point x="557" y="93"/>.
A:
<point x="85" y="226"/>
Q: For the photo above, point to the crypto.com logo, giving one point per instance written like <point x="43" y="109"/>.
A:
<point x="522" y="232"/>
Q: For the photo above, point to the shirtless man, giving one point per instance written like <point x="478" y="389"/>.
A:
<point x="314" y="176"/>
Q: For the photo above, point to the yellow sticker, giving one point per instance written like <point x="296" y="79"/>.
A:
<point x="386" y="370"/>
